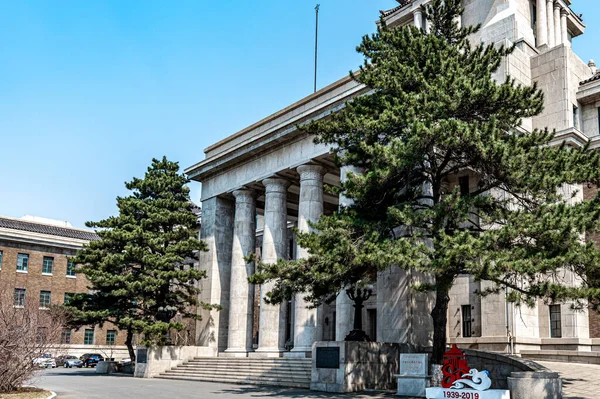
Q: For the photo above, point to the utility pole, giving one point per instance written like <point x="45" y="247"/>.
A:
<point x="316" y="43"/>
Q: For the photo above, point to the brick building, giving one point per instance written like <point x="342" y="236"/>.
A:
<point x="34" y="264"/>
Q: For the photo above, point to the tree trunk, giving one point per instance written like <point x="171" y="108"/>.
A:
<point x="439" y="315"/>
<point x="129" y="344"/>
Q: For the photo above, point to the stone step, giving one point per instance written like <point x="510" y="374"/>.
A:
<point x="232" y="370"/>
<point x="256" y="373"/>
<point x="241" y="380"/>
<point x="257" y="365"/>
<point x="253" y="360"/>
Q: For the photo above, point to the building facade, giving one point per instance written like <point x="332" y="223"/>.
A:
<point x="267" y="178"/>
<point x="34" y="265"/>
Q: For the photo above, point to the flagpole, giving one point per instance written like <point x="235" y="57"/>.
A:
<point x="316" y="43"/>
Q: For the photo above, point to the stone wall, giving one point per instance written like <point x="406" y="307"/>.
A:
<point x="362" y="365"/>
<point x="162" y="358"/>
<point x="500" y="366"/>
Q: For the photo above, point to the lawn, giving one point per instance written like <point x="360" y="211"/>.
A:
<point x="26" y="393"/>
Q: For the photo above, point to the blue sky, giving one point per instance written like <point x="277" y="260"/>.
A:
<point x="90" y="91"/>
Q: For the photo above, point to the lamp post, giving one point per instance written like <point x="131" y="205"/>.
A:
<point x="358" y="295"/>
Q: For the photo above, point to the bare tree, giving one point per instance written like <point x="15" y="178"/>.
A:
<point x="27" y="332"/>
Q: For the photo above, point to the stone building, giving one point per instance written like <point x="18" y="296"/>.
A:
<point x="34" y="265"/>
<point x="261" y="181"/>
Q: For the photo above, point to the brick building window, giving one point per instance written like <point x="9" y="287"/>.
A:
<point x="466" y="321"/>
<point x="111" y="337"/>
<point x="68" y="297"/>
<point x="555" y="328"/>
<point x="0" y="260"/>
<point x="70" y="269"/>
<point x="47" y="265"/>
<point x="88" y="337"/>
<point x="20" y="297"/>
<point x="22" y="263"/>
<point x="44" y="299"/>
<point x="65" y="337"/>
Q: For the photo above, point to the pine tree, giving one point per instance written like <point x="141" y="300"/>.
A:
<point x="433" y="113"/>
<point x="141" y="269"/>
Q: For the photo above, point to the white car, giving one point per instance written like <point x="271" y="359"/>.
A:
<point x="46" y="361"/>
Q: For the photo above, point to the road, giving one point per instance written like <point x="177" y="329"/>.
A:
<point x="86" y="384"/>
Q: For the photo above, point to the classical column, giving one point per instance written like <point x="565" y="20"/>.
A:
<point x="271" y="333"/>
<point x="344" y="310"/>
<point x="542" y="25"/>
<point x="550" y="21"/>
<point x="241" y="297"/>
<point x="557" y="33"/>
<point x="217" y="232"/>
<point x="310" y="209"/>
<point x="418" y="18"/>
<point x="563" y="27"/>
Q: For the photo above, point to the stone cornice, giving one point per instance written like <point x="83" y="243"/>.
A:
<point x="285" y="131"/>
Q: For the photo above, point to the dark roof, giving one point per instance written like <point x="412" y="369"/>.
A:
<point x="16" y="224"/>
<point x="595" y="77"/>
<point x="402" y="3"/>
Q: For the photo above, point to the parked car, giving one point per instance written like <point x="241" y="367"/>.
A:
<point x="46" y="360"/>
<point x="91" y="359"/>
<point x="69" y="361"/>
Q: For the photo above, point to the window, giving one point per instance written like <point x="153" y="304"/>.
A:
<point x="22" y="262"/>
<point x="533" y="10"/>
<point x="466" y="321"/>
<point x="575" y="117"/>
<point x="463" y="183"/>
<point x="47" y="265"/>
<point x="70" y="269"/>
<point x="88" y="337"/>
<point x="44" y="299"/>
<point x="42" y="335"/>
<point x="111" y="337"/>
<point x="65" y="337"/>
<point x="68" y="297"/>
<point x="0" y="260"/>
<point x="598" y="131"/>
<point x="20" y="297"/>
<point x="555" y="329"/>
<point x="372" y="324"/>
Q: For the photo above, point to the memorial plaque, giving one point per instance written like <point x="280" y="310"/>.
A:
<point x="328" y="358"/>
<point x="413" y="364"/>
<point x="142" y="355"/>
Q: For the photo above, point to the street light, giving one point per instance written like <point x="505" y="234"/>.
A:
<point x="358" y="295"/>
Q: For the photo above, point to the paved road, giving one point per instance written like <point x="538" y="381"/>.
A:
<point x="86" y="384"/>
<point x="580" y="381"/>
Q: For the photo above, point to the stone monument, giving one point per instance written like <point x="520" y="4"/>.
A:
<point x="413" y="378"/>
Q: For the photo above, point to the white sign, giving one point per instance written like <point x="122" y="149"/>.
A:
<point x="450" y="393"/>
<point x="413" y="364"/>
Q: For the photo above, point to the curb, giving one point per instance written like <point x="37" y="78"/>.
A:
<point x="52" y="395"/>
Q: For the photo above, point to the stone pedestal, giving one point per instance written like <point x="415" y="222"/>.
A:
<point x="413" y="378"/>
<point x="241" y="296"/>
<point x="539" y="385"/>
<point x="353" y="366"/>
<point x="271" y="338"/>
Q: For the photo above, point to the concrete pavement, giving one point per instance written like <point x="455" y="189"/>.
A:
<point x="580" y="381"/>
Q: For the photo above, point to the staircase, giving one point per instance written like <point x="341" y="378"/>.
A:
<point x="282" y="372"/>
